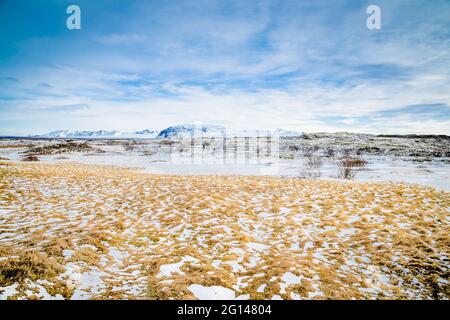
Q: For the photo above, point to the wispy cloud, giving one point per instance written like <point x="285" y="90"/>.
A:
<point x="292" y="64"/>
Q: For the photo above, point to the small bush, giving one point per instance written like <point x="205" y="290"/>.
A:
<point x="330" y="152"/>
<point x="313" y="165"/>
<point x="167" y="142"/>
<point x="30" y="157"/>
<point x="129" y="146"/>
<point x="349" y="166"/>
<point x="148" y="153"/>
<point x="60" y="148"/>
<point x="293" y="147"/>
<point x="206" y="143"/>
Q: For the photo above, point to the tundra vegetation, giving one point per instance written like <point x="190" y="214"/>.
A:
<point x="312" y="166"/>
<point x="60" y="148"/>
<point x="30" y="157"/>
<point x="349" y="166"/>
<point x="99" y="232"/>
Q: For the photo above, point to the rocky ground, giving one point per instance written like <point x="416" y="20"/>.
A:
<point x="413" y="159"/>
<point x="410" y="147"/>
<point x="413" y="147"/>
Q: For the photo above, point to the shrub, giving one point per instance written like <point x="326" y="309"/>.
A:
<point x="60" y="148"/>
<point x="349" y="166"/>
<point x="206" y="143"/>
<point x="129" y="146"/>
<point x="293" y="147"/>
<point x="313" y="165"/>
<point x="167" y="142"/>
<point x="330" y="152"/>
<point x="30" y="157"/>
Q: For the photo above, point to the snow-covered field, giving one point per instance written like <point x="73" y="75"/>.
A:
<point x="128" y="220"/>
<point x="154" y="156"/>
<point x="79" y="231"/>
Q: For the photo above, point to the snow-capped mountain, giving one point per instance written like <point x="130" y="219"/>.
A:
<point x="220" y="131"/>
<point x="98" y="134"/>
<point x="192" y="130"/>
<point x="179" y="131"/>
<point x="287" y="133"/>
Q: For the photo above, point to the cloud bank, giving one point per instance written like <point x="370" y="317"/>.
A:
<point x="299" y="65"/>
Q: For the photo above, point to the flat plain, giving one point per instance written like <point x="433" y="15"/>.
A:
<point x="84" y="231"/>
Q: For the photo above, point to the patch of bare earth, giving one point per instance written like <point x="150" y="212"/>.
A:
<point x="97" y="232"/>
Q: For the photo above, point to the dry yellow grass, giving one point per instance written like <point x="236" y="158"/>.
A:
<point x="103" y="232"/>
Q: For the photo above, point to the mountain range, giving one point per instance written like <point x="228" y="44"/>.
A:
<point x="97" y="134"/>
<point x="178" y="131"/>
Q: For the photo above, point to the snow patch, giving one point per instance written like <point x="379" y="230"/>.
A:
<point x="211" y="293"/>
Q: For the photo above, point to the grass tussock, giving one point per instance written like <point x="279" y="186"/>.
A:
<point x="30" y="158"/>
<point x="125" y="230"/>
<point x="57" y="246"/>
<point x="28" y="265"/>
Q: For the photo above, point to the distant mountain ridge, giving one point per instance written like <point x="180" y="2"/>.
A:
<point x="178" y="131"/>
<point x="97" y="134"/>
<point x="220" y="131"/>
<point x="186" y="130"/>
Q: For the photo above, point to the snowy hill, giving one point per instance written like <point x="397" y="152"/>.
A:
<point x="287" y="133"/>
<point x="190" y="130"/>
<point x="220" y="131"/>
<point x="98" y="134"/>
<point x="178" y="131"/>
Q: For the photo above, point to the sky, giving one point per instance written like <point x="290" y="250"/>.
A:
<point x="310" y="66"/>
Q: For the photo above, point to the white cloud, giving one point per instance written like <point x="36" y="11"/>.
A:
<point x="266" y="64"/>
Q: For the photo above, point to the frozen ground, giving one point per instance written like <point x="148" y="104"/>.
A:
<point x="84" y="231"/>
<point x="424" y="161"/>
<point x="74" y="227"/>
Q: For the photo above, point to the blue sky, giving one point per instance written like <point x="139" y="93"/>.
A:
<point x="300" y="65"/>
